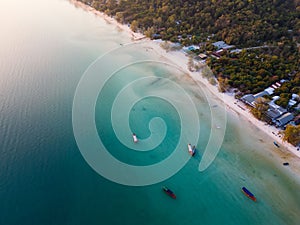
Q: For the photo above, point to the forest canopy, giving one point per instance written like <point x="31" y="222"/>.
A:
<point x="238" y="22"/>
<point x="271" y="23"/>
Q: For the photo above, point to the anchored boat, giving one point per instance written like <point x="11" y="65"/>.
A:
<point x="169" y="192"/>
<point x="135" y="140"/>
<point x="192" y="150"/>
<point x="275" y="143"/>
<point x="248" y="194"/>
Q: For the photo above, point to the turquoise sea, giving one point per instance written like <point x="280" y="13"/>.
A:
<point x="47" y="54"/>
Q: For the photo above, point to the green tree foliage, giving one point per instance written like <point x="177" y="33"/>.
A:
<point x="284" y="99"/>
<point x="212" y="81"/>
<point x="223" y="84"/>
<point x="207" y="73"/>
<point x="134" y="25"/>
<point x="234" y="21"/>
<point x="260" y="109"/>
<point x="252" y="71"/>
<point x="292" y="134"/>
<point x="275" y="23"/>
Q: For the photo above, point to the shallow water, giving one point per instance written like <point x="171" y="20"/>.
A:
<point x="46" y="47"/>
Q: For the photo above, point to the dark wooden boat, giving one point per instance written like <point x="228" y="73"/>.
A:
<point x="248" y="194"/>
<point x="275" y="143"/>
<point x="169" y="192"/>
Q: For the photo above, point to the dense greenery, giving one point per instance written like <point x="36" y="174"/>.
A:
<point x="239" y="22"/>
<point x="252" y="71"/>
<point x="292" y="134"/>
<point x="260" y="109"/>
<point x="272" y="25"/>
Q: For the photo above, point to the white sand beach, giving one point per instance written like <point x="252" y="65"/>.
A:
<point x="181" y="60"/>
<point x="286" y="152"/>
<point x="135" y="36"/>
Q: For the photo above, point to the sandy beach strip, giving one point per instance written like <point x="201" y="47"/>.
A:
<point x="134" y="35"/>
<point x="181" y="60"/>
<point x="285" y="153"/>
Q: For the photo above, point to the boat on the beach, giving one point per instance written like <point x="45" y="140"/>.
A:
<point x="285" y="163"/>
<point x="275" y="143"/>
<point x="191" y="149"/>
<point x="135" y="140"/>
<point x="169" y="192"/>
<point x="248" y="194"/>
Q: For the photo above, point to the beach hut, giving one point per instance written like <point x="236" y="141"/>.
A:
<point x="202" y="56"/>
<point x="248" y="99"/>
<point x="261" y="94"/>
<point x="284" y="119"/>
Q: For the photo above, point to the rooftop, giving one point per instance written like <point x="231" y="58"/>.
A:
<point x="284" y="119"/>
<point x="222" y="44"/>
<point x="249" y="99"/>
<point x="261" y="94"/>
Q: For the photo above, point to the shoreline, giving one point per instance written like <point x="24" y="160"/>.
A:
<point x="286" y="150"/>
<point x="134" y="35"/>
<point x="231" y="103"/>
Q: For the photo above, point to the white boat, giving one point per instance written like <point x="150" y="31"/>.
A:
<point x="191" y="149"/>
<point x="135" y="140"/>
